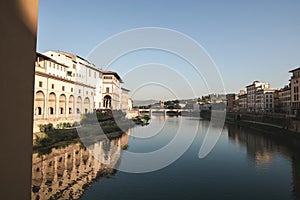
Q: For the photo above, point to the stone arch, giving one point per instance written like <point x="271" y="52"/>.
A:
<point x="71" y="104"/>
<point x="62" y="104"/>
<point x="39" y="102"/>
<point x="86" y="105"/>
<point x="52" y="103"/>
<point x="78" y="105"/>
<point x="107" y="101"/>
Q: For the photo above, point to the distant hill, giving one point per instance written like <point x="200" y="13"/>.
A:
<point x="144" y="102"/>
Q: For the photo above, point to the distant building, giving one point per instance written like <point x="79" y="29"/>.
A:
<point x="111" y="90"/>
<point x="282" y="100"/>
<point x="251" y="94"/>
<point x="124" y="100"/>
<point x="217" y="98"/>
<point x="264" y="100"/>
<point x="130" y="104"/>
<point x="295" y="85"/>
<point x="242" y="101"/>
<point x="232" y="102"/>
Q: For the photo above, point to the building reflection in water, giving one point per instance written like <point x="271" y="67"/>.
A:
<point x="262" y="148"/>
<point x="65" y="173"/>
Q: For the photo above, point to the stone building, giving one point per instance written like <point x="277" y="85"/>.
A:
<point x="232" y="102"/>
<point x="111" y="90"/>
<point x="282" y="98"/>
<point x="295" y="85"/>
<point x="264" y="100"/>
<point x="125" y="100"/>
<point x="58" y="97"/>
<point x="67" y="85"/>
<point x="251" y="94"/>
<point x="242" y="101"/>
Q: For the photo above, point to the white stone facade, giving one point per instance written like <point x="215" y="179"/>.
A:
<point x="67" y="86"/>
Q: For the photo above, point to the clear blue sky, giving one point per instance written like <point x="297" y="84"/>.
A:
<point x="248" y="40"/>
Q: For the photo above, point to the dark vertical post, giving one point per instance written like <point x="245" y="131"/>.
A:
<point x="18" y="22"/>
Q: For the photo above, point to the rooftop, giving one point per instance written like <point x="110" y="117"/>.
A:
<point x="113" y="73"/>
<point x="295" y="70"/>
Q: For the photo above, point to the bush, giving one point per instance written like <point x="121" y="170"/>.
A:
<point x="46" y="127"/>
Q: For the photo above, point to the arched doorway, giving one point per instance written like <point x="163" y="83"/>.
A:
<point x="62" y="104"/>
<point x="52" y="103"/>
<point x="78" y="105"/>
<point x="71" y="104"/>
<point x="107" y="101"/>
<point x="39" y="102"/>
<point x="86" y="105"/>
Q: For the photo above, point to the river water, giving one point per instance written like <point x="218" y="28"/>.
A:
<point x="244" y="164"/>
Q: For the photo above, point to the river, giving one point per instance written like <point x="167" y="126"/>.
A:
<point x="244" y="164"/>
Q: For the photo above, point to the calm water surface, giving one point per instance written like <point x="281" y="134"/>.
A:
<point x="245" y="164"/>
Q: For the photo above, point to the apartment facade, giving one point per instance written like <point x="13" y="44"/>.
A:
<point x="242" y="101"/>
<point x="232" y="102"/>
<point x="264" y="100"/>
<point x="295" y="94"/>
<point x="283" y="100"/>
<point x="251" y="94"/>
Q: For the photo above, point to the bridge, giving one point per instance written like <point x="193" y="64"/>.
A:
<point x="165" y="111"/>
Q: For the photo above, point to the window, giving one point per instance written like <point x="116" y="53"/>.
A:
<point x="94" y="74"/>
<point x="87" y="93"/>
<point x="89" y="73"/>
<point x="107" y="90"/>
<point x="74" y="66"/>
<point x="107" y="77"/>
<point x="99" y="104"/>
<point x="52" y="86"/>
<point x="63" y="88"/>
<point x="61" y="111"/>
<point x="39" y="111"/>
<point x="70" y="110"/>
<point x="51" y="110"/>
<point x="71" y="89"/>
<point x="40" y="84"/>
<point x="79" y="91"/>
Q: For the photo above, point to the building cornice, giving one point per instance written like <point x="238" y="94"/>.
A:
<point x="62" y="79"/>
